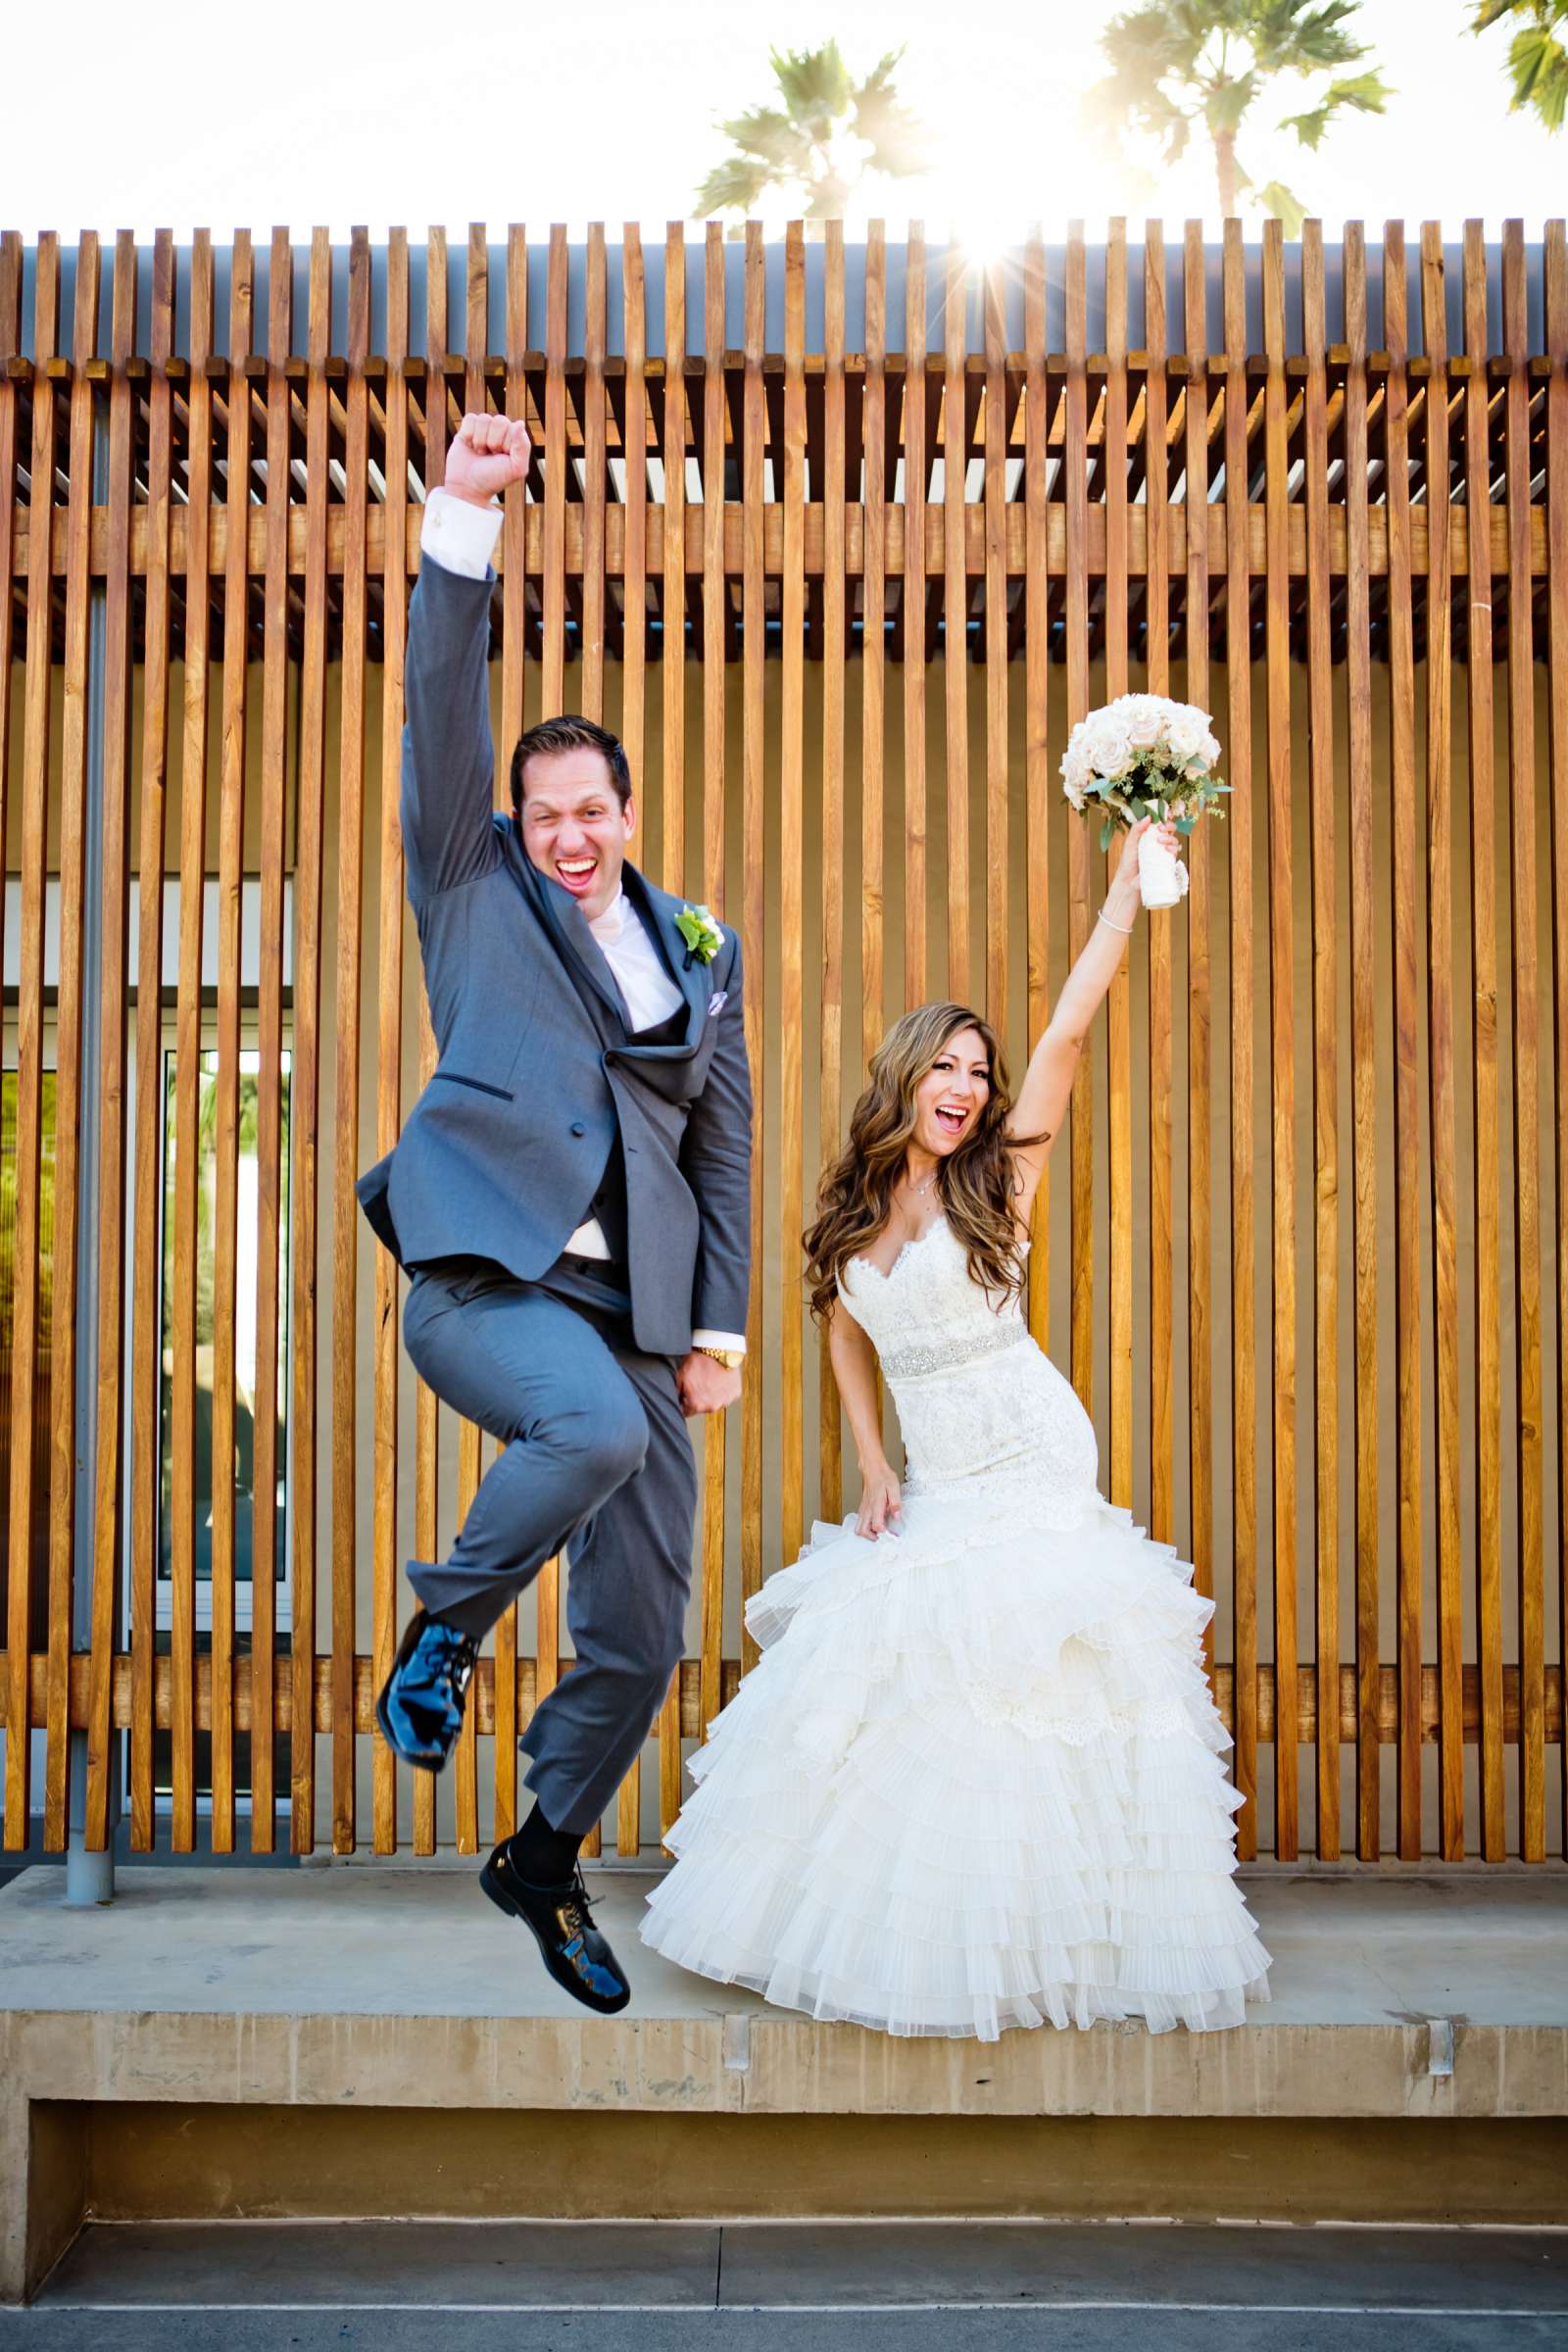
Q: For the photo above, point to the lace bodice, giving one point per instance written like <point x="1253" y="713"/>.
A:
<point x="978" y="1402"/>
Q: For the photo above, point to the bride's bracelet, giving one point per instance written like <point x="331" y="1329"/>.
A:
<point x="1126" y="929"/>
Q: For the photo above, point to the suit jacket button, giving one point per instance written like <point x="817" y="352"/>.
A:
<point x="578" y="1127"/>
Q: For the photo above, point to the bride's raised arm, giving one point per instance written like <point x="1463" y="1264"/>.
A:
<point x="1047" y="1087"/>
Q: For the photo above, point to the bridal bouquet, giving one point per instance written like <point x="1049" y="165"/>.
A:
<point x="1146" y="755"/>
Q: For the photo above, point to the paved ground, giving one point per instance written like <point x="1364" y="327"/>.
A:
<point x="881" y="2288"/>
<point x="1032" y="2331"/>
<point x="382" y="1942"/>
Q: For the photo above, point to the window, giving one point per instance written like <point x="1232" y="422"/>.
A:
<point x="247" y="1253"/>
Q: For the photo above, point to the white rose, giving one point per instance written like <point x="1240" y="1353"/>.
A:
<point x="1211" y="749"/>
<point x="1111" y="750"/>
<point x="1186" y="736"/>
<point x="1145" y="727"/>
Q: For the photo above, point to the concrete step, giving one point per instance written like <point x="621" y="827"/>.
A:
<point x="594" y="2266"/>
<point x="372" y="2043"/>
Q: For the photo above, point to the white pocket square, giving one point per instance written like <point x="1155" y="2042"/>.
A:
<point x="717" y="1001"/>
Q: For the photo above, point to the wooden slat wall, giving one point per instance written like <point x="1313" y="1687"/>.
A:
<point x="1332" y="522"/>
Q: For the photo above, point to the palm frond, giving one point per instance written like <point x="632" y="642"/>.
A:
<point x="773" y="138"/>
<point x="1539" y="64"/>
<point x="814" y="86"/>
<point x="898" y="141"/>
<point x="732" y="186"/>
<point x="1277" y="198"/>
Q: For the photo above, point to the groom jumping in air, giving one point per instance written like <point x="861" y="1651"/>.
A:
<point x="570" y="1194"/>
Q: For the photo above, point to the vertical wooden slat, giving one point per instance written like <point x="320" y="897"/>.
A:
<point x="149" y="1056"/>
<point x="831" y="491"/>
<point x="269" y="1040"/>
<point x="673" y="767"/>
<point x="1281" y="1042"/>
<point x="1037" y="722"/>
<point x="1118" y="1003"/>
<point x="996" y="777"/>
<point x="716" y="593"/>
<point x="955" y="614"/>
<point x="389" y="1018"/>
<point x="1200" y="982"/>
<point x="1486" y="1108"/>
<point x="1363" y="1045"/>
<point x="471" y="1439"/>
<point x="593" y="461"/>
<point x="1075" y="469"/>
<point x="188" y="1057"/>
<point x="1406" y="1025"/>
<point x="672" y="641"/>
<point x="346" y="1081"/>
<point x="10" y="350"/>
<point x="225" y="1105"/>
<point x="791" y="880"/>
<point x="634" y="593"/>
<point x="514" y="620"/>
<point x="16" y="1650"/>
<point x="634" y="640"/>
<point x="1529" y="1402"/>
<point x="26" y="1286"/>
<point x="426" y="1493"/>
<point x="873" y="644"/>
<point x="67" y="1017"/>
<point x="107" y="1520"/>
<point x="558" y="464"/>
<point x="753" y="909"/>
<point x="915" y="598"/>
<point x="1440" y="1050"/>
<point x="1243" y="1392"/>
<point x="513" y="529"/>
<point x="1156" y="617"/>
<point x="1556" y="338"/>
<point x="306" y="1087"/>
<point x="1325" y="1072"/>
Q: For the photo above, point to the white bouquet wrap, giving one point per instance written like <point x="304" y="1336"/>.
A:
<point x="1146" y="755"/>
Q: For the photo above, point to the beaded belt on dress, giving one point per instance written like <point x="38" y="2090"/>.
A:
<point x="905" y="1363"/>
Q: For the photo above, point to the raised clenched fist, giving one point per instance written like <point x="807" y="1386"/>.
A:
<point x="486" y="454"/>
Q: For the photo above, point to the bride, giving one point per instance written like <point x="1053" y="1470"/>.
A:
<point x="975" y="1779"/>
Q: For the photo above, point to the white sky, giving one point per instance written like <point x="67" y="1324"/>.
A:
<point x="309" y="112"/>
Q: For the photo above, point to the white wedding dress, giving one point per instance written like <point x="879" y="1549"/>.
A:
<point x="975" y="1779"/>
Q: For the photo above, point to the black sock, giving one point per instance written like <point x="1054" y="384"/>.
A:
<point x="544" y="1857"/>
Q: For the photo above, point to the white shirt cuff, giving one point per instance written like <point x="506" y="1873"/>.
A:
<point x="459" y="536"/>
<point x="734" y="1340"/>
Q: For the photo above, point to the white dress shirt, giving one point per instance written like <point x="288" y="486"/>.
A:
<point x="461" y="537"/>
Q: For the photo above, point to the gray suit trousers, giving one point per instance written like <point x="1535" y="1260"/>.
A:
<point x="597" y="1465"/>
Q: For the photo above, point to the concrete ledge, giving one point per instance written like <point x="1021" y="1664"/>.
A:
<point x="204" y="1998"/>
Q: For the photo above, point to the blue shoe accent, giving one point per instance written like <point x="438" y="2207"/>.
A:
<point x="560" y="1922"/>
<point x="420" y="1706"/>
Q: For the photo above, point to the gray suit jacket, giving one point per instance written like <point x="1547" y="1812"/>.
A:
<point x="504" y="1151"/>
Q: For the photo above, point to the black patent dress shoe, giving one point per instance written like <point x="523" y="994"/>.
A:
<point x="420" y="1706"/>
<point x="560" y="1922"/>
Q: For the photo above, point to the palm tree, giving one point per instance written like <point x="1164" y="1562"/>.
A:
<point x="1177" y="64"/>
<point x="1538" y="61"/>
<point x="828" y="135"/>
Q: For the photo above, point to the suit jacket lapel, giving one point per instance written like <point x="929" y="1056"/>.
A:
<point x="567" y="928"/>
<point x="659" y="911"/>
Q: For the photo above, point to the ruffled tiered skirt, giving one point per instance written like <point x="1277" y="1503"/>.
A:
<point x="974" y="1782"/>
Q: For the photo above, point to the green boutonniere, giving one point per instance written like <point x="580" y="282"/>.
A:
<point x="702" y="934"/>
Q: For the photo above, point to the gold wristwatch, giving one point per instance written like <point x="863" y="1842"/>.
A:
<point x="731" y="1358"/>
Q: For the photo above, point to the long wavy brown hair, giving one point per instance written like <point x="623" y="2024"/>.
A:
<point x="976" y="1185"/>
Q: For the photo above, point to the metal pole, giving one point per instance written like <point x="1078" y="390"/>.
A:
<point x="90" y="1878"/>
